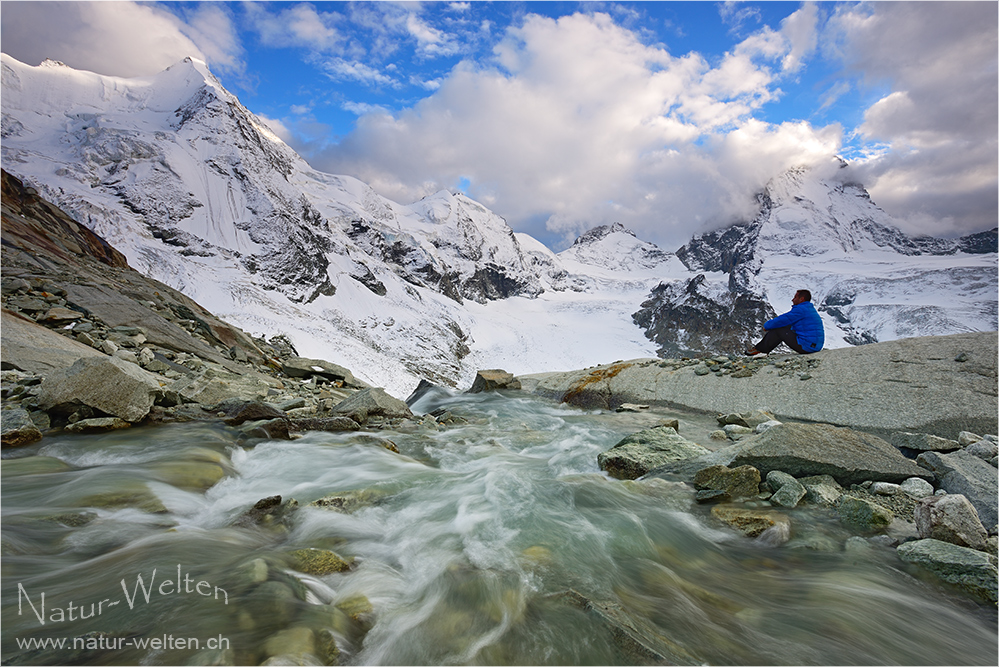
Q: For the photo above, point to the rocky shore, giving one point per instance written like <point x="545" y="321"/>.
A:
<point x="896" y="439"/>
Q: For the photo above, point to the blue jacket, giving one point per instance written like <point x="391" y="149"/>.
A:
<point x="805" y="322"/>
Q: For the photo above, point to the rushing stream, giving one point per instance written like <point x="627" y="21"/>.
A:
<point x="497" y="541"/>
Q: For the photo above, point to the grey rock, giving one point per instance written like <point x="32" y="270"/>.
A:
<point x="32" y="348"/>
<point x="329" y="424"/>
<point x="59" y="315"/>
<point x="750" y="419"/>
<point x="971" y="570"/>
<point x="767" y="425"/>
<point x="821" y="489"/>
<point x="112" y="386"/>
<point x="373" y="401"/>
<point x="787" y="490"/>
<point x="916" y="487"/>
<point x="951" y="518"/>
<point x="965" y="438"/>
<point x="97" y="425"/>
<point x="736" y="431"/>
<point x="268" y="429"/>
<point x="909" y="384"/>
<point x="126" y="355"/>
<point x="923" y="442"/>
<point x="212" y="386"/>
<point x="863" y="515"/>
<point x="964" y="473"/>
<point x="885" y="488"/>
<point x="302" y="367"/>
<point x="641" y="452"/>
<point x="17" y="429"/>
<point x="849" y="456"/>
<point x="983" y="449"/>
<point x="724" y="483"/>
<point x="493" y="379"/>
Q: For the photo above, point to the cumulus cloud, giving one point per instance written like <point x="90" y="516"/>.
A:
<point x="939" y="115"/>
<point x="118" y="38"/>
<point x="579" y="123"/>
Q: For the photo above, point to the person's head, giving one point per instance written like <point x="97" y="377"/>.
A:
<point x="801" y="296"/>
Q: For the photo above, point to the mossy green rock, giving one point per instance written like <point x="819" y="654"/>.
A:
<point x="645" y="450"/>
<point x="318" y="562"/>
<point x="863" y="515"/>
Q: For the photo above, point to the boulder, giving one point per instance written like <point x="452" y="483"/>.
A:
<point x="732" y="483"/>
<point x="97" y="425"/>
<point x="112" y="386"/>
<point x="915" y="487"/>
<point x="851" y="457"/>
<point x="923" y="442"/>
<point x="821" y="489"/>
<point x="951" y="518"/>
<point x="17" y="428"/>
<point x="212" y="386"/>
<point x="909" y="384"/>
<point x="964" y="473"/>
<point x="268" y="429"/>
<point x="237" y="411"/>
<point x="864" y="515"/>
<point x="302" y="367"/>
<point x="318" y="561"/>
<point x="751" y="522"/>
<point x="983" y="449"/>
<point x="372" y="402"/>
<point x="491" y="380"/>
<point x="787" y="490"/>
<point x="749" y="420"/>
<point x="646" y="450"/>
<point x="971" y="570"/>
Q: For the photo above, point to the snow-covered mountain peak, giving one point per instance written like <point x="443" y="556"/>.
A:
<point x="617" y="248"/>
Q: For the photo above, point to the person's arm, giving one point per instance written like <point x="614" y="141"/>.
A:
<point x="785" y="320"/>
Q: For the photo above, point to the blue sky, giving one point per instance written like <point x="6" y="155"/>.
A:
<point x="559" y="116"/>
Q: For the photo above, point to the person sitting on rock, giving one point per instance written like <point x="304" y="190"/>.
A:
<point x="800" y="328"/>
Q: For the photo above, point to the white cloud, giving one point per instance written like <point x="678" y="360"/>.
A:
<point x="299" y="25"/>
<point x="580" y="123"/>
<point x="118" y="38"/>
<point x="938" y="61"/>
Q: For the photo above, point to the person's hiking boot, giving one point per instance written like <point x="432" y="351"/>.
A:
<point x="752" y="352"/>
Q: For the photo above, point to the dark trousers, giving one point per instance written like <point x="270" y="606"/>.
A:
<point x="774" y="337"/>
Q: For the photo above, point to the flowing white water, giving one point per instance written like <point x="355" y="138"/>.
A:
<point x="466" y="543"/>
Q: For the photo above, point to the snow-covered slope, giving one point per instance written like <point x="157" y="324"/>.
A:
<point x="196" y="192"/>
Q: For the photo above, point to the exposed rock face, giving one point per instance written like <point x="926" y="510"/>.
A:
<point x="686" y="319"/>
<point x="915" y="384"/>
